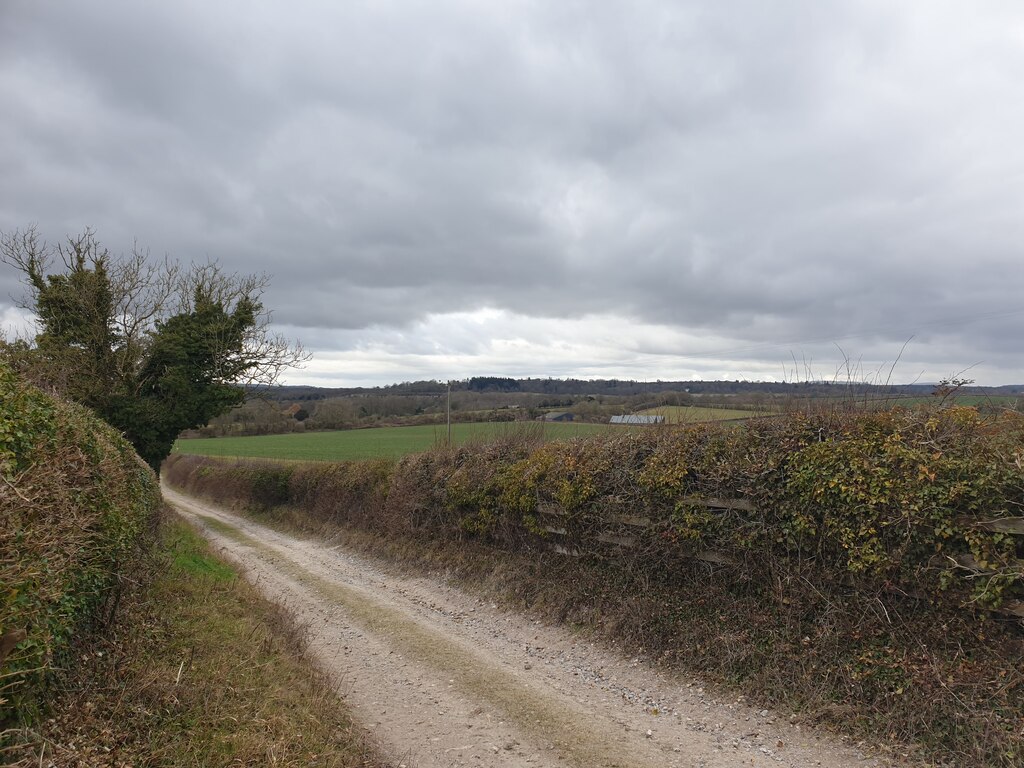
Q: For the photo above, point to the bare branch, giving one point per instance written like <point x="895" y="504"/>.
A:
<point x="28" y="253"/>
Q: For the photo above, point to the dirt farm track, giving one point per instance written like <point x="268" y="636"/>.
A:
<point x="443" y="679"/>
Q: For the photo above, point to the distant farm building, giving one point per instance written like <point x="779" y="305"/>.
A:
<point x="559" y="416"/>
<point x="635" y="418"/>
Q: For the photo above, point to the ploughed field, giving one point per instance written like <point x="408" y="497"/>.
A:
<point x="353" y="444"/>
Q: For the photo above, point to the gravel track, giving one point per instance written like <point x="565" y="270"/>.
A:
<point x="444" y="679"/>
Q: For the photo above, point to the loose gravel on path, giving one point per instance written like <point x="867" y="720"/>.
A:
<point x="445" y="679"/>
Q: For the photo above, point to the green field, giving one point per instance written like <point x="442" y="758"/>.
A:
<point x="691" y="414"/>
<point x="1012" y="402"/>
<point x="353" y="444"/>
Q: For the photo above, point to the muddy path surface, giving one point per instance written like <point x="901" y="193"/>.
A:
<point x="445" y="679"/>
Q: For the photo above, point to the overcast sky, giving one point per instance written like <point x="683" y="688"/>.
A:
<point x="673" y="190"/>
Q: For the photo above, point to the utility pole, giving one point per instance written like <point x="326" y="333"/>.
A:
<point x="449" y="412"/>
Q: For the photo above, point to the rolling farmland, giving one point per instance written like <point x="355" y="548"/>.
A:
<point x="344" y="445"/>
<point x="692" y="414"/>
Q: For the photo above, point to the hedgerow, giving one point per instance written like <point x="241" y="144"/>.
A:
<point x="845" y="562"/>
<point x="74" y="501"/>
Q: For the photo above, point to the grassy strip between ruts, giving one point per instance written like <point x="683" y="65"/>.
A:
<point x="197" y="670"/>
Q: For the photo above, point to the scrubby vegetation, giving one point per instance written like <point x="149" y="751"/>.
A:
<point x="860" y="566"/>
<point x="75" y="501"/>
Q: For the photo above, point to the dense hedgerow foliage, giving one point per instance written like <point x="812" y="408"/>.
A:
<point x="74" y="501"/>
<point x="891" y="498"/>
<point x="855" y="576"/>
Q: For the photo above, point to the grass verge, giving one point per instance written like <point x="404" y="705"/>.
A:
<point x="197" y="670"/>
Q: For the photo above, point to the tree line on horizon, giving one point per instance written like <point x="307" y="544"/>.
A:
<point x="583" y="387"/>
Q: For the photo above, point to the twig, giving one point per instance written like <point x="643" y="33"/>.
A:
<point x="15" y="489"/>
<point x="884" y="610"/>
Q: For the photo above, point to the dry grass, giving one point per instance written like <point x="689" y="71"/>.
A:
<point x="198" y="670"/>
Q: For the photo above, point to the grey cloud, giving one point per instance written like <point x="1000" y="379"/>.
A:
<point x="764" y="174"/>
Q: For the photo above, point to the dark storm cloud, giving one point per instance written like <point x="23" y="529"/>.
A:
<point x="765" y="175"/>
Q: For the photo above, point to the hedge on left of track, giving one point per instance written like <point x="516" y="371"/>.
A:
<point x="75" y="502"/>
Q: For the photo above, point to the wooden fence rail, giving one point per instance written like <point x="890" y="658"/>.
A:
<point x="561" y="543"/>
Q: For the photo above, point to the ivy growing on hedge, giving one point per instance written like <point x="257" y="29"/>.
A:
<point x="889" y="498"/>
<point x="74" y="501"/>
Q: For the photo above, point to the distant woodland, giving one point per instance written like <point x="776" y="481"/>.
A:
<point x="272" y="410"/>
